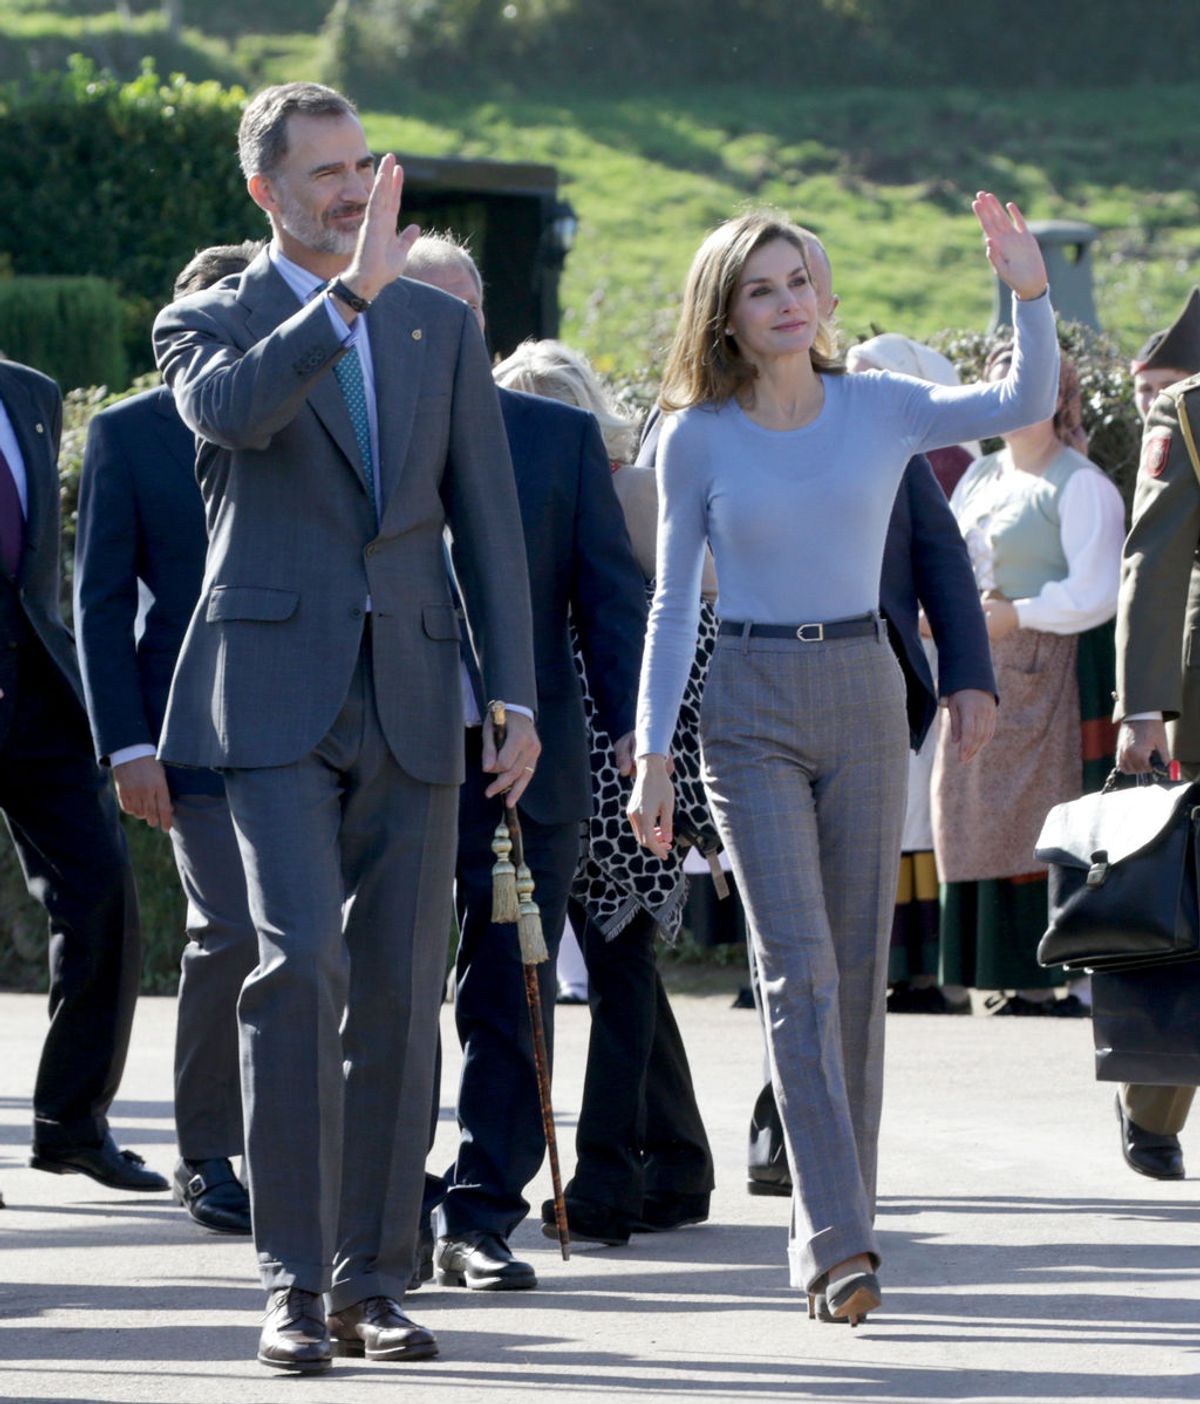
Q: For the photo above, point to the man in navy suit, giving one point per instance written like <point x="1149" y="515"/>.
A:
<point x="582" y="571"/>
<point x="141" y="531"/>
<point x="60" y="813"/>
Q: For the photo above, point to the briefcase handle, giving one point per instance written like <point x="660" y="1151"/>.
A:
<point x="1158" y="774"/>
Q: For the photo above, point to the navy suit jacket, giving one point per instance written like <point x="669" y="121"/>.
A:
<point x="582" y="571"/>
<point x="925" y="565"/>
<point x="141" y="519"/>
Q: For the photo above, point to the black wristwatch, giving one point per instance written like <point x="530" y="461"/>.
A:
<point x="352" y="300"/>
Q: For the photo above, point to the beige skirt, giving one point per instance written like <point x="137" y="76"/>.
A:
<point x="987" y="813"/>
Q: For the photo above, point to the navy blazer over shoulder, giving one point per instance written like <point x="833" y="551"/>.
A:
<point x="141" y="525"/>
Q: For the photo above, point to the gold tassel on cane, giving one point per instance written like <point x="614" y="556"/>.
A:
<point x="505" y="905"/>
<point x="529" y="921"/>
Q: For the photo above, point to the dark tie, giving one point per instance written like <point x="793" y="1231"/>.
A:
<point x="12" y="520"/>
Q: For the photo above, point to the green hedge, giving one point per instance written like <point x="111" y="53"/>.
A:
<point x="70" y="328"/>
<point x="129" y="180"/>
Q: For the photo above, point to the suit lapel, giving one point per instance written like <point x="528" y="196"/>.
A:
<point x="269" y="301"/>
<point x="397" y="353"/>
<point x="33" y="439"/>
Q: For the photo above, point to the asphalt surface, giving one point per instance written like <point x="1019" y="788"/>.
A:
<point x="1023" y="1260"/>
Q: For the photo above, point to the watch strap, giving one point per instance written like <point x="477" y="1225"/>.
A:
<point x="344" y="294"/>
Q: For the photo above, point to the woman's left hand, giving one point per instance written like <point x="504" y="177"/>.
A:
<point x="1011" y="249"/>
<point x="1001" y="618"/>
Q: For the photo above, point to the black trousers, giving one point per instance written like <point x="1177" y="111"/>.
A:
<point x="501" y="1145"/>
<point x="65" y="829"/>
<point x="640" y="1134"/>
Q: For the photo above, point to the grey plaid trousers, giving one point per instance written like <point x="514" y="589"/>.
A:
<point x="805" y="764"/>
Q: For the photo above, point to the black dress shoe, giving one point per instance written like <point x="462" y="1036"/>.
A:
<point x="661" y="1213"/>
<point x="294" y="1334"/>
<point x="1017" y="1005"/>
<point x="589" y="1223"/>
<point x="213" y="1195"/>
<point x="482" y="1261"/>
<point x="118" y="1169"/>
<point x="378" y="1329"/>
<point x="1147" y="1152"/>
<point x="770" y="1180"/>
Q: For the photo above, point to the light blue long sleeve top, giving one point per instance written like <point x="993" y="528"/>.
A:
<point x="797" y="518"/>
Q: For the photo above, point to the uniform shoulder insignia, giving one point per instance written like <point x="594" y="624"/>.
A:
<point x="1156" y="449"/>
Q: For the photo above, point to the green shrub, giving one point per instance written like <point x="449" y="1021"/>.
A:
<point x="130" y="180"/>
<point x="70" y="328"/>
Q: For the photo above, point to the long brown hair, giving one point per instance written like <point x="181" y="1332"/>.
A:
<point x="704" y="365"/>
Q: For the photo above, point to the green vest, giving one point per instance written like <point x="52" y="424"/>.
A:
<point x="1025" y="532"/>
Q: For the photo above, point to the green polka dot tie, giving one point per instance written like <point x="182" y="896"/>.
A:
<point x="350" y="377"/>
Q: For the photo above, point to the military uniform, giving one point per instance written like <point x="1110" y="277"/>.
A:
<point x="1158" y="631"/>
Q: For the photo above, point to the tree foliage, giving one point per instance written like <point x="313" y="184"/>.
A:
<point x="120" y="180"/>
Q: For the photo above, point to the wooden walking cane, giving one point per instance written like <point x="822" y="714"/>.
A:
<point x="512" y="901"/>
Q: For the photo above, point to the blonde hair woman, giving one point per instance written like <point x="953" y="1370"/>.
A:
<point x="788" y="469"/>
<point x="554" y="370"/>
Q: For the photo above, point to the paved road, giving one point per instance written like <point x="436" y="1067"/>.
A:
<point x="1024" y="1262"/>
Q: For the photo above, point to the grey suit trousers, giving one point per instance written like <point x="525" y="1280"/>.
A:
<point x="221" y="951"/>
<point x="805" y="750"/>
<point x="349" y="868"/>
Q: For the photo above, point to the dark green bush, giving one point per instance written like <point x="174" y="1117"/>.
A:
<point x="1110" y="417"/>
<point x="372" y="44"/>
<point x="129" y="180"/>
<point x="70" y="328"/>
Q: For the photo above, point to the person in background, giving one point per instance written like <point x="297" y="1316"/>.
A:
<point x="1044" y="528"/>
<point x="1158" y="614"/>
<point x="789" y="469"/>
<point x="582" y="575"/>
<point x="643" y="1163"/>
<point x="1167" y="357"/>
<point x="141" y="527"/>
<point x="60" y="812"/>
<point x="913" y="957"/>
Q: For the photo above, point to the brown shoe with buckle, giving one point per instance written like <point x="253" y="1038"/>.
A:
<point x="378" y="1329"/>
<point x="294" y="1334"/>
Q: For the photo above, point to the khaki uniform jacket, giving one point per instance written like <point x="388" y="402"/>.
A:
<point x="1158" y="609"/>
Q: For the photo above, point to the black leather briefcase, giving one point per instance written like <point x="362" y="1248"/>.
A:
<point x="1123" y="876"/>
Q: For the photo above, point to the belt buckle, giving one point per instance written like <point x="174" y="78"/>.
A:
<point x="805" y="637"/>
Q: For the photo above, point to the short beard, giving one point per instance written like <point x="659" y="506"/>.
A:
<point x="320" y="238"/>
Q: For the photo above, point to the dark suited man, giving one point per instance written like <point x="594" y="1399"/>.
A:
<point x="60" y="813"/>
<point x="1158" y="614"/>
<point x="582" y="571"/>
<point x="141" y="527"/>
<point x="925" y="567"/>
<point x="320" y="674"/>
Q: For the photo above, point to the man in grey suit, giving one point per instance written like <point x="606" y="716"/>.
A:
<point x="320" y="675"/>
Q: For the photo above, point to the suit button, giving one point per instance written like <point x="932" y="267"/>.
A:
<point x="372" y="549"/>
<point x="356" y="613"/>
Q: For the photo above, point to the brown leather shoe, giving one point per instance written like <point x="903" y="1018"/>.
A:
<point x="378" y="1329"/>
<point x="294" y="1334"/>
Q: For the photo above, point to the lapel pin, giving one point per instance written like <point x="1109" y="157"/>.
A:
<point x="416" y="336"/>
<point x="39" y="428"/>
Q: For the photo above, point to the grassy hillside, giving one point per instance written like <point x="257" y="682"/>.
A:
<point x="886" y="178"/>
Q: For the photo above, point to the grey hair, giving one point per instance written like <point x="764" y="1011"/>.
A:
<point x="437" y="249"/>
<point x="262" y="134"/>
<point x="557" y="372"/>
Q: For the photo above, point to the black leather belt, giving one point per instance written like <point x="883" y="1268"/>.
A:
<point x="806" y="633"/>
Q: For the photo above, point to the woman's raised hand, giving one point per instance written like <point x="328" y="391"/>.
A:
<point x="1011" y="249"/>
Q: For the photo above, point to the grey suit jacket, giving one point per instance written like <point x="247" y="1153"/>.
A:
<point x="294" y="550"/>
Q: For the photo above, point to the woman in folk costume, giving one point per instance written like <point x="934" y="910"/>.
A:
<point x="1044" y="528"/>
<point x="788" y="469"/>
